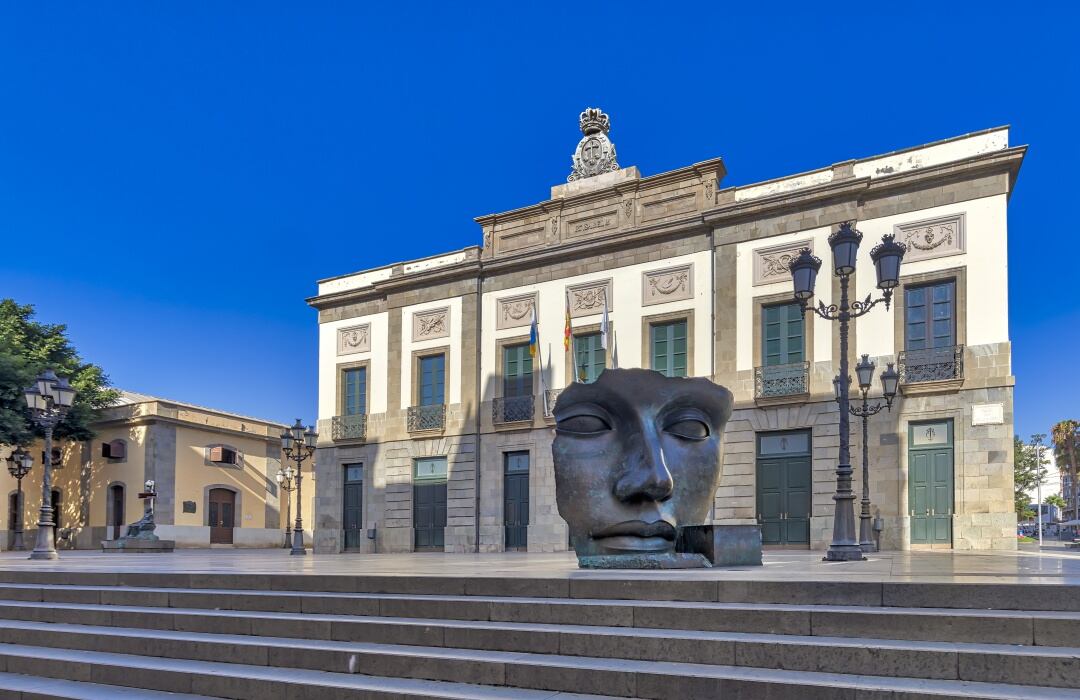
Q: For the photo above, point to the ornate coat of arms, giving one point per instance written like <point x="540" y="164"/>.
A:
<point x="595" y="153"/>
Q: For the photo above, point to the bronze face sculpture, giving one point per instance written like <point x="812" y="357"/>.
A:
<point x="637" y="458"/>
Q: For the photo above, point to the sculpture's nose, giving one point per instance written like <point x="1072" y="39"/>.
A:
<point x="646" y="477"/>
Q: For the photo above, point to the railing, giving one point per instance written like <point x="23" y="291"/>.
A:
<point x="781" y="380"/>
<point x="550" y="397"/>
<point x="511" y="409"/>
<point x="933" y="365"/>
<point x="349" y="427"/>
<point x="426" y="418"/>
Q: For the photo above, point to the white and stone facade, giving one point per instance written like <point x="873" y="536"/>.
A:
<point x="677" y="246"/>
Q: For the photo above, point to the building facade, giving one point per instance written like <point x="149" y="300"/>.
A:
<point x="435" y="424"/>
<point x="214" y="472"/>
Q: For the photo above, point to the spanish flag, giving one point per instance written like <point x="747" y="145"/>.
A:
<point x="568" y="332"/>
<point x="534" y="335"/>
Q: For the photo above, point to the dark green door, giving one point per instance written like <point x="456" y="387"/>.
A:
<point x="930" y="482"/>
<point x="784" y="487"/>
<point x="429" y="515"/>
<point x="429" y="502"/>
<point x="352" y="518"/>
<point x="516" y="499"/>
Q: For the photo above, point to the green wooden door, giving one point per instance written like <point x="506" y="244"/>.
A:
<point x="930" y="482"/>
<point x="784" y="485"/>
<point x="353" y="505"/>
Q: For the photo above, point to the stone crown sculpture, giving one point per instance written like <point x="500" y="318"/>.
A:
<point x="595" y="153"/>
<point x="637" y="460"/>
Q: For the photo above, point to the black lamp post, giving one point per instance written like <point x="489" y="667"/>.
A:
<point x="49" y="399"/>
<point x="285" y="483"/>
<point x="864" y="370"/>
<point x="804" y="268"/>
<point x="19" y="463"/>
<point x="299" y="445"/>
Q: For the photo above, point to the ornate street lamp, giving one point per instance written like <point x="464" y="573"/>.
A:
<point x="18" y="464"/>
<point x="285" y="483"/>
<point x="298" y="445"/>
<point x="804" y="268"/>
<point x="49" y="399"/>
<point x="864" y="370"/>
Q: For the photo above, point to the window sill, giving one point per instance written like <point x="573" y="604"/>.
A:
<point x="782" y="400"/>
<point x="513" y="425"/>
<point x="939" y="387"/>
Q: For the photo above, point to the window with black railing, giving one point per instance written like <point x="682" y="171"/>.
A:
<point x="931" y="353"/>
<point x="784" y="370"/>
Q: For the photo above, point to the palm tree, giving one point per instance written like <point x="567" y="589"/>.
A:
<point x="1065" y="436"/>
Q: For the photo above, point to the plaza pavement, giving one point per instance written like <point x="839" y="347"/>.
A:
<point x="1054" y="565"/>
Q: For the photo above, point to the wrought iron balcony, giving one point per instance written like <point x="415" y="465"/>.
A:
<point x="349" y="427"/>
<point x="550" y="396"/>
<point x="933" y="365"/>
<point x="776" y="381"/>
<point x="426" y="418"/>
<point x="512" y="409"/>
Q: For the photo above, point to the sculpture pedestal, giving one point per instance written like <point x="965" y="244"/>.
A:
<point x="134" y="545"/>
<point x="722" y="545"/>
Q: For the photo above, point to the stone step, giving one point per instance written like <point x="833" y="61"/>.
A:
<point x="14" y="686"/>
<point x="692" y="586"/>
<point x="172" y="678"/>
<point x="654" y="681"/>
<point x="859" y="655"/>
<point x="919" y="624"/>
<point x="513" y="655"/>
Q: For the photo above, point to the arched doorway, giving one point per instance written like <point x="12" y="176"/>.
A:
<point x="116" y="508"/>
<point x="220" y="514"/>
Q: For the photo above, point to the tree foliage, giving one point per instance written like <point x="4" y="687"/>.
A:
<point x="1027" y="472"/>
<point x="1056" y="500"/>
<point x="28" y="347"/>
<point x="1065" y="437"/>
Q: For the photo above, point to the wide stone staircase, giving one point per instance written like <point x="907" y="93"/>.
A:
<point x="299" y="637"/>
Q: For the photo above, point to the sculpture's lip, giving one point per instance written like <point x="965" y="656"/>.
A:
<point x="638" y="528"/>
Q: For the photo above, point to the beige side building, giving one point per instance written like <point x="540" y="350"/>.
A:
<point x="214" y="473"/>
<point x="435" y="428"/>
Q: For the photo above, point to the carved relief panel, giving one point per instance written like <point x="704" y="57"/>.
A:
<point x="670" y="284"/>
<point x="431" y="324"/>
<point x="513" y="312"/>
<point x="354" y="339"/>
<point x="932" y="238"/>
<point x="588" y="299"/>
<point x="771" y="264"/>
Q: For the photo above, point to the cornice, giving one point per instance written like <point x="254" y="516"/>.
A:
<point x="660" y="179"/>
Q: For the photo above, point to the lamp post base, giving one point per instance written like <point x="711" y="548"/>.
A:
<point x="18" y="545"/>
<point x="866" y="534"/>
<point x="288" y="540"/>
<point x="44" y="554"/>
<point x="844" y="552"/>
<point x="298" y="543"/>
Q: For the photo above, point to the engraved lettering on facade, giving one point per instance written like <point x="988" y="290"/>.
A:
<point x="590" y="225"/>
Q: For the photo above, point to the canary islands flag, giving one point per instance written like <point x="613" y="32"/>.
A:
<point x="534" y="335"/>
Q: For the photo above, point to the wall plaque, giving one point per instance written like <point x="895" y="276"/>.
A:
<point x="771" y="264"/>
<point x="434" y="323"/>
<point x="987" y="414"/>
<point x="189" y="506"/>
<point x="932" y="238"/>
<point x="670" y="284"/>
<point x="354" y="339"/>
<point x="514" y="312"/>
<point x="588" y="299"/>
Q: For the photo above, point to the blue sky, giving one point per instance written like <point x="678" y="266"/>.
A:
<point x="174" y="177"/>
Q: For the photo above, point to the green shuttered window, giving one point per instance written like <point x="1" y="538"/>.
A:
<point x="782" y="335"/>
<point x="668" y="348"/>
